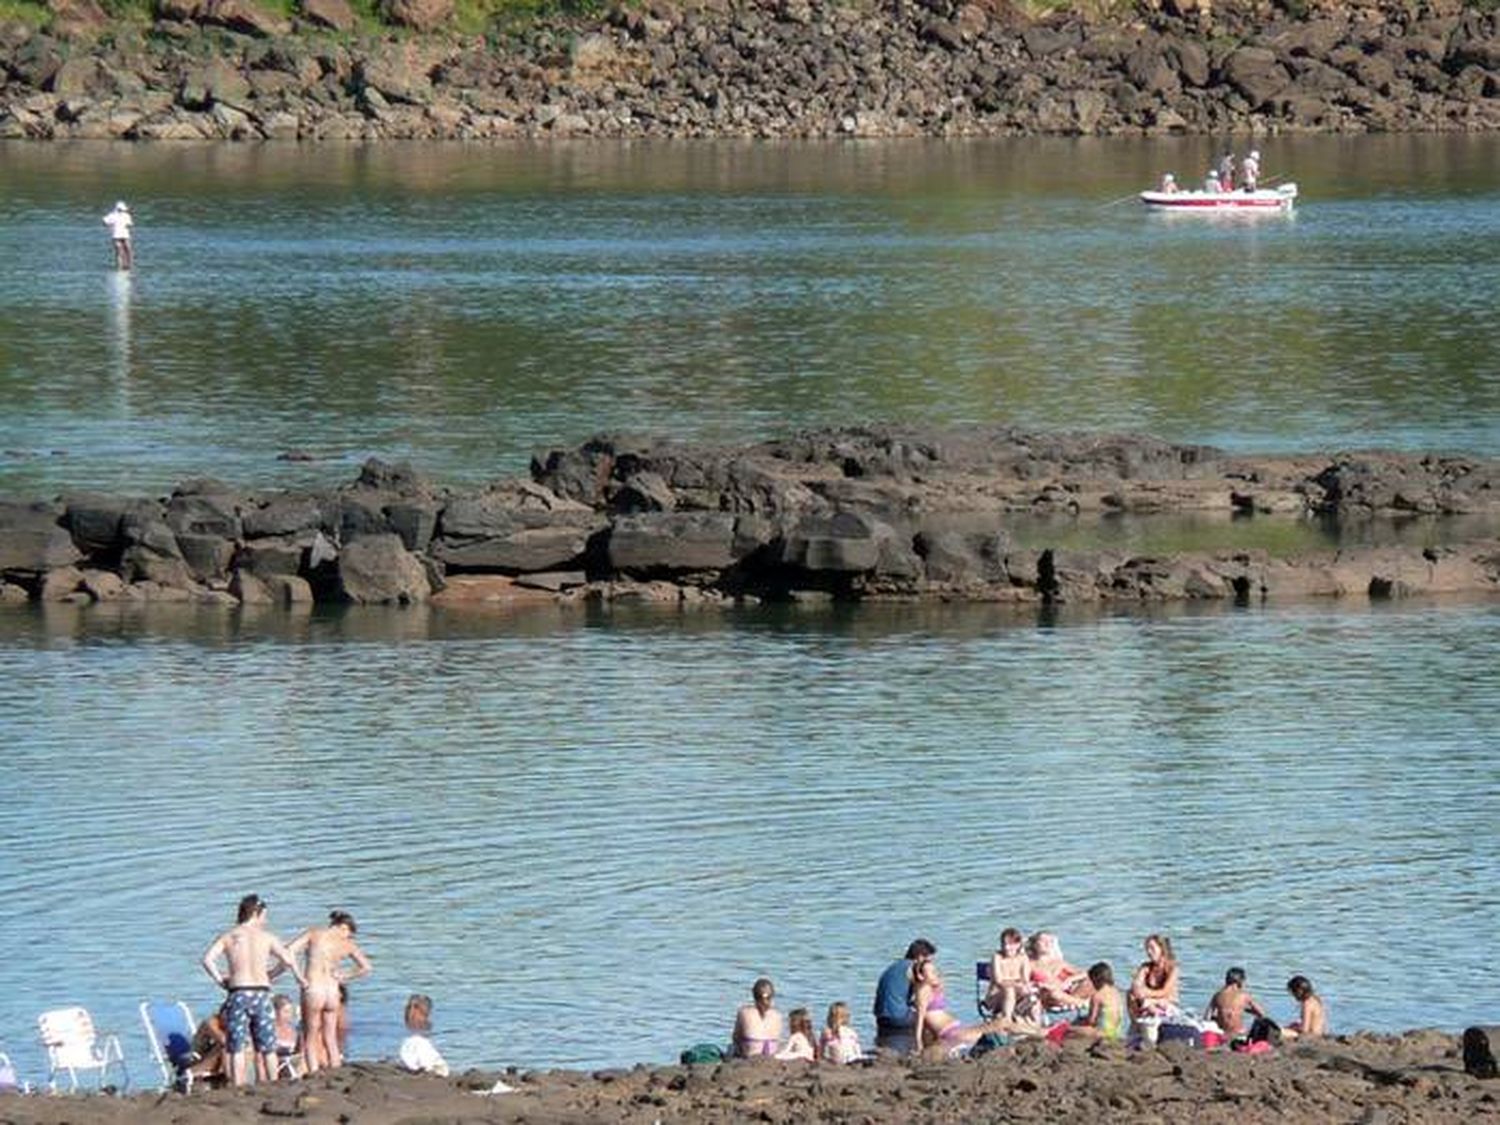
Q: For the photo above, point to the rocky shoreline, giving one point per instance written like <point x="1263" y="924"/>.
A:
<point x="1416" y="1077"/>
<point x="863" y="514"/>
<point x="231" y="70"/>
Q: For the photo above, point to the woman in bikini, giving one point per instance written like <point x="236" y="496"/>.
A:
<point x="935" y="1024"/>
<point x="1059" y="985"/>
<point x="757" y="1025"/>
<point x="326" y="948"/>
<point x="1154" y="989"/>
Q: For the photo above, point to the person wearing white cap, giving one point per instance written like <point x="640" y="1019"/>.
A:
<point x="1168" y="184"/>
<point x="1250" y="170"/>
<point x="119" y="223"/>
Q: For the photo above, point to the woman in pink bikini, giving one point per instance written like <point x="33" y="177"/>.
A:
<point x="935" y="1024"/>
<point x="757" y="1025"/>
<point x="1059" y="985"/>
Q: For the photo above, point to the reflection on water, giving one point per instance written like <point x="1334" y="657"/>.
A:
<point x="1279" y="535"/>
<point x="465" y="306"/>
<point x="541" y="820"/>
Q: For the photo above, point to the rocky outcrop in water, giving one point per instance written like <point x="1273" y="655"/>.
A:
<point x="855" y="514"/>
<point x="227" y="69"/>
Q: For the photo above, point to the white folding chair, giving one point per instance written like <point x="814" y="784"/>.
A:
<point x="72" y="1045"/>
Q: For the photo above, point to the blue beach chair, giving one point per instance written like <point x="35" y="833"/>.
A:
<point x="169" y="1029"/>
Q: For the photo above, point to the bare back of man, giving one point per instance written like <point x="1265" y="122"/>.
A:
<point x="247" y="951"/>
<point x="1227" y="1009"/>
<point x="325" y="949"/>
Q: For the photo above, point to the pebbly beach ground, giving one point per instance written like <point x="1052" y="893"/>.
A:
<point x="1414" y="1077"/>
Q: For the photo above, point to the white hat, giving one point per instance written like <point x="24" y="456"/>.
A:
<point x="120" y="206"/>
<point x="1255" y="154"/>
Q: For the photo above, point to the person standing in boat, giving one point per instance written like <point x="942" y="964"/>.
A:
<point x="1226" y="172"/>
<point x="1250" y="170"/>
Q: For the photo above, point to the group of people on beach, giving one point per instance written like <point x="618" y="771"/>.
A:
<point x="1031" y="990"/>
<point x="1222" y="178"/>
<point x="244" y="960"/>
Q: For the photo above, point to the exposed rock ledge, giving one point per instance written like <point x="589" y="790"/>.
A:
<point x="234" y="70"/>
<point x="856" y="514"/>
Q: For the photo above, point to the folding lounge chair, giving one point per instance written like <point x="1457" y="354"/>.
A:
<point x="10" y="1081"/>
<point x="982" y="988"/>
<point x="72" y="1045"/>
<point x="169" y="1030"/>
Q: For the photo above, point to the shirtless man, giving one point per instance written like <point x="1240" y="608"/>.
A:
<point x="1230" y="1003"/>
<point x="325" y="949"/>
<point x="248" y="950"/>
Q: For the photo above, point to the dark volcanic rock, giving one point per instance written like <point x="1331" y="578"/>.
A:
<point x="32" y="541"/>
<point x="379" y="570"/>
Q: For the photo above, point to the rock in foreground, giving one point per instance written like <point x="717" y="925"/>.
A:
<point x="1415" y="1077"/>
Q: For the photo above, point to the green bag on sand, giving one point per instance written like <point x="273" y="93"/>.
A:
<point x="702" y="1053"/>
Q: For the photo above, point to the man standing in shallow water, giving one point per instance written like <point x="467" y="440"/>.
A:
<point x="248" y="1016"/>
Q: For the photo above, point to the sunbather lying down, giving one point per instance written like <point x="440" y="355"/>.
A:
<point x="1059" y="985"/>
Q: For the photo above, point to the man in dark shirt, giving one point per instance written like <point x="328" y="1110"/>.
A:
<point x="893" y="1014"/>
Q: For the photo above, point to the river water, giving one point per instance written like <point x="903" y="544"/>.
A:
<point x="585" y="834"/>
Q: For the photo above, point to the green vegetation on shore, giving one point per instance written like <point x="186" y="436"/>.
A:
<point x="470" y="16"/>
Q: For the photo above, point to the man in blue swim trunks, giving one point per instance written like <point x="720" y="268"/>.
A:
<point x="893" y="1015"/>
<point x="247" y="1012"/>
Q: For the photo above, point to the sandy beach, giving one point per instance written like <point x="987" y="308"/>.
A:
<point x="1414" y="1077"/>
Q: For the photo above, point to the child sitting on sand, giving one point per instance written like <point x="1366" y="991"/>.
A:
<point x="1106" y="1014"/>
<point x="288" y="1037"/>
<point x="840" y="1042"/>
<point x="1312" y="1021"/>
<point x="417" y="1051"/>
<point x="801" y="1044"/>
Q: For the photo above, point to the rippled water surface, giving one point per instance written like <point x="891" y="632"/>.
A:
<point x="585" y="837"/>
<point x="465" y="305"/>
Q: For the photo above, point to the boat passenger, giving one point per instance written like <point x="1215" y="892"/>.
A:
<point x="1106" y="1014"/>
<point x="1312" y="1021"/>
<point x="936" y="1025"/>
<point x="1211" y="181"/>
<point x="1226" y="172"/>
<point x="1058" y="984"/>
<point x="757" y="1025"/>
<point x="802" y="1043"/>
<point x="1154" y="989"/>
<point x="1169" y="184"/>
<point x="1230" y="1003"/>
<point x="1250" y="170"/>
